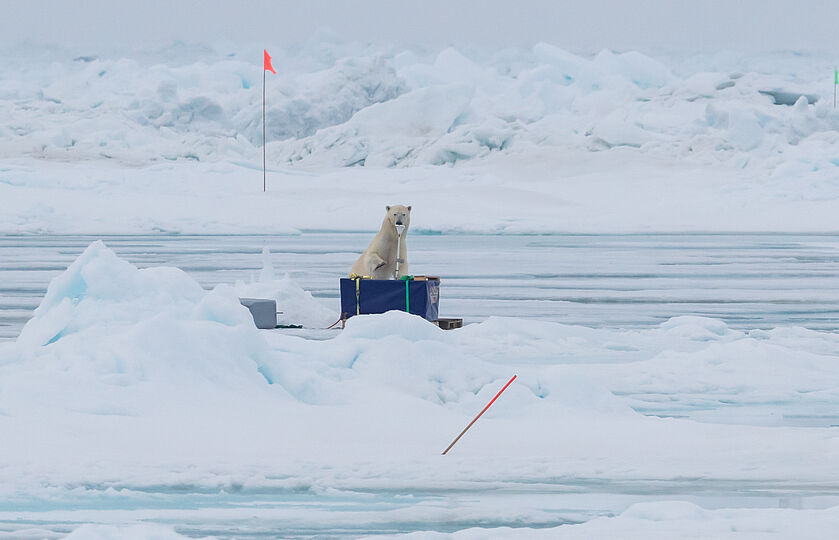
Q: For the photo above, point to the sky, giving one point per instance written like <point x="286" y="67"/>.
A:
<point x="578" y="25"/>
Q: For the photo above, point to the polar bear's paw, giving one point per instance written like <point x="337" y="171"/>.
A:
<point x="376" y="262"/>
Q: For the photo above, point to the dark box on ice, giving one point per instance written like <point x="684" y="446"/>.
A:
<point x="419" y="296"/>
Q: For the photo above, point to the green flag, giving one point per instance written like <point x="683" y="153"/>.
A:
<point x="835" y="76"/>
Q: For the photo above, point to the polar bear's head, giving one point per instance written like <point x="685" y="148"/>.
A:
<point x="399" y="215"/>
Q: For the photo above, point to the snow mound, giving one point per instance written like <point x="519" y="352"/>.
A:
<point x="696" y="328"/>
<point x="124" y="532"/>
<point x="99" y="288"/>
<point x="295" y="305"/>
<point x="406" y="326"/>
<point x="326" y="98"/>
<point x="103" y="322"/>
<point x="641" y="70"/>
<point x="666" y="510"/>
<point x="123" y="109"/>
<point x="380" y="357"/>
<point x="385" y="134"/>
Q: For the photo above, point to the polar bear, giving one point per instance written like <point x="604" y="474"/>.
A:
<point x="379" y="259"/>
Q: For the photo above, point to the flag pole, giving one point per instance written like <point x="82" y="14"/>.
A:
<point x="264" y="174"/>
<point x="266" y="65"/>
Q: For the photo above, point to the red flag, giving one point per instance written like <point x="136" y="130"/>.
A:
<point x="266" y="62"/>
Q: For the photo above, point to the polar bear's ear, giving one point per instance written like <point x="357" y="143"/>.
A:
<point x="409" y="209"/>
<point x="387" y="208"/>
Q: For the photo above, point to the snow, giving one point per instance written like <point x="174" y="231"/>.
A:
<point x="670" y="520"/>
<point x="140" y="378"/>
<point x="298" y="305"/>
<point x="136" y="404"/>
<point x="383" y="134"/>
<point x="125" y="532"/>
<point x="642" y="520"/>
<point x="185" y="121"/>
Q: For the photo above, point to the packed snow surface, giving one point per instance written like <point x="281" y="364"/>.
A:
<point x="536" y="140"/>
<point x="136" y="404"/>
<point x="132" y="385"/>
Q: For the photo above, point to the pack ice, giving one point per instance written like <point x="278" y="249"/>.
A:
<point x="619" y="141"/>
<point x="126" y="380"/>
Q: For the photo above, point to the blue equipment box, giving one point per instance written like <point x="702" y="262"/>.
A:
<point x="419" y="296"/>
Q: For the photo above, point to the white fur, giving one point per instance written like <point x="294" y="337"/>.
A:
<point x="379" y="259"/>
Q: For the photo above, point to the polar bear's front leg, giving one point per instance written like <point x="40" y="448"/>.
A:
<point x="375" y="262"/>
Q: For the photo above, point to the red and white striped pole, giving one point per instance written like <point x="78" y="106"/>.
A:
<point x="479" y="415"/>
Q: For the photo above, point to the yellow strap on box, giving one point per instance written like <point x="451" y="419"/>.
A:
<point x="358" y="296"/>
<point x="358" y="279"/>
